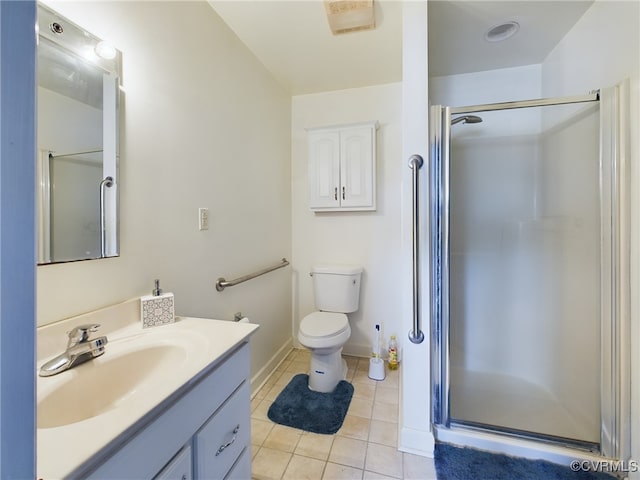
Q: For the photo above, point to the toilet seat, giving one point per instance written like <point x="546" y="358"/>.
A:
<point x="324" y="330"/>
<point x="324" y="324"/>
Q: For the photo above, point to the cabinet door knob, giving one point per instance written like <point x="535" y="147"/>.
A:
<point x="335" y="193"/>
<point x="344" y="197"/>
<point x="228" y="444"/>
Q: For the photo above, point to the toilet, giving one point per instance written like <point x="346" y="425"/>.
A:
<point x="337" y="292"/>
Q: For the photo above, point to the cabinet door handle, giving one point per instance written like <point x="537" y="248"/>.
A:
<point x="223" y="447"/>
<point x="335" y="193"/>
<point x="344" y="197"/>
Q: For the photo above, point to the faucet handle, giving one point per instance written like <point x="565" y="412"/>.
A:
<point x="81" y="333"/>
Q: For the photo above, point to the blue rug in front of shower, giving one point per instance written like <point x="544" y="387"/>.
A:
<point x="461" y="463"/>
<point x="316" y="412"/>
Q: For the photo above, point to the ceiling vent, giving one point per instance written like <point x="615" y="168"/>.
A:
<point x="350" y="15"/>
<point x="502" y="31"/>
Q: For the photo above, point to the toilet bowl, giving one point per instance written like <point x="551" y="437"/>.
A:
<point x="325" y="333"/>
<point x="337" y="292"/>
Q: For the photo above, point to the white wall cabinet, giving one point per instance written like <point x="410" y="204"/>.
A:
<point x="342" y="167"/>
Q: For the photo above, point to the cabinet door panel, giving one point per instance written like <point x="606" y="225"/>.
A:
<point x="179" y="468"/>
<point x="324" y="169"/>
<point x="357" y="168"/>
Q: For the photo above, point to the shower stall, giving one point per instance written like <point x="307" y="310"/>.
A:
<point x="529" y="272"/>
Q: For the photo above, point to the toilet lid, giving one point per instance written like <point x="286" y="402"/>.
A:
<point x="323" y="324"/>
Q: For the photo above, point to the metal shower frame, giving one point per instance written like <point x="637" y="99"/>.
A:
<point x="615" y="314"/>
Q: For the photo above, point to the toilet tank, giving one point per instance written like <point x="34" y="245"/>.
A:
<point x="337" y="288"/>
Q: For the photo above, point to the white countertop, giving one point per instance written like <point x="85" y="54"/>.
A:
<point x="193" y="346"/>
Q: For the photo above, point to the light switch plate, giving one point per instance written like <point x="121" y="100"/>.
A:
<point x="203" y="218"/>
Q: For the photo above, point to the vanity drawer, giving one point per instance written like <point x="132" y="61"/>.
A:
<point x="242" y="469"/>
<point x="216" y="445"/>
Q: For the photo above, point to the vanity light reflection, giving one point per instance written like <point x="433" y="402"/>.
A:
<point x="105" y="50"/>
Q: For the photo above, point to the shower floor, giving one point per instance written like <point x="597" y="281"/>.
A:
<point x="513" y="403"/>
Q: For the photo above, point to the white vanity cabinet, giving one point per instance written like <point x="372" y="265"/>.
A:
<point x="342" y="167"/>
<point x="202" y="433"/>
<point x="179" y="468"/>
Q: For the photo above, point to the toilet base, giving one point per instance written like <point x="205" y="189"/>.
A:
<point x="326" y="370"/>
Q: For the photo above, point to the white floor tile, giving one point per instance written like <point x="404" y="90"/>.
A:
<point x="363" y="449"/>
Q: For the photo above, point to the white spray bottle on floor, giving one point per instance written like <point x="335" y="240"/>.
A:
<point x="376" y="364"/>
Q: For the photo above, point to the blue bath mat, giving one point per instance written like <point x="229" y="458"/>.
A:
<point x="458" y="463"/>
<point x="316" y="412"/>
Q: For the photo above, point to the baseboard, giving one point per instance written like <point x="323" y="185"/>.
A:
<point x="261" y="377"/>
<point x="417" y="442"/>
<point x="356" y="350"/>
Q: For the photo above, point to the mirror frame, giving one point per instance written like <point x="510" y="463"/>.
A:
<point x="77" y="42"/>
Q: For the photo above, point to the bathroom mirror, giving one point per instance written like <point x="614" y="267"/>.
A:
<point x="77" y="147"/>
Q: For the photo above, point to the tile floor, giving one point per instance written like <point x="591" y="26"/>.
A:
<point x="364" y="448"/>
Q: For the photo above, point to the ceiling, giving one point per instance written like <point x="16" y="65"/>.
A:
<point x="293" y="40"/>
<point x="457" y="29"/>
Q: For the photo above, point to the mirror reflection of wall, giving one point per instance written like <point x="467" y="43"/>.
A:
<point x="77" y="142"/>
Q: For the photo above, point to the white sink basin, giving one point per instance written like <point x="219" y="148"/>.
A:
<point x="101" y="384"/>
<point x="134" y="365"/>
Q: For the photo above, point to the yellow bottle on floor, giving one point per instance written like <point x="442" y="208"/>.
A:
<point x="393" y="353"/>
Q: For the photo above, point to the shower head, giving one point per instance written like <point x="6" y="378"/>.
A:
<point x="466" y="119"/>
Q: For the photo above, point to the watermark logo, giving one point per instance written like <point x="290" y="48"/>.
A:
<point x="607" y="466"/>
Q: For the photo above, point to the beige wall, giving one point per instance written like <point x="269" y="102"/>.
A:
<point x="367" y="239"/>
<point x="204" y="125"/>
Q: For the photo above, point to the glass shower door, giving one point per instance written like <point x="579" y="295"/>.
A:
<point x="521" y="206"/>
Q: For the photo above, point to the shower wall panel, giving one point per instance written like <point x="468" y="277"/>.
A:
<point x="491" y="186"/>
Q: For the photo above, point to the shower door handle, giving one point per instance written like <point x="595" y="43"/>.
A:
<point x="106" y="183"/>
<point x="415" y="163"/>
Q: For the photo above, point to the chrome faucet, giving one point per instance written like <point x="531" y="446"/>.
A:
<point x="79" y="349"/>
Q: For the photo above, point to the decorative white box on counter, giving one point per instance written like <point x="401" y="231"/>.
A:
<point x="157" y="308"/>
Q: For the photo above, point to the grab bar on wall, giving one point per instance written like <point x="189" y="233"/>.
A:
<point x="415" y="163"/>
<point x="86" y="152"/>
<point x="106" y="183"/>
<point x="221" y="283"/>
